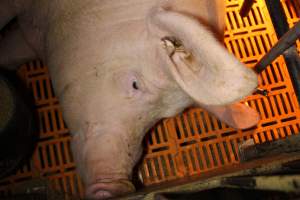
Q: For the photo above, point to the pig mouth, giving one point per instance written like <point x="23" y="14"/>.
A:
<point x="106" y="188"/>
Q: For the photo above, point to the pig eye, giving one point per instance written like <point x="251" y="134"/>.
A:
<point x="135" y="85"/>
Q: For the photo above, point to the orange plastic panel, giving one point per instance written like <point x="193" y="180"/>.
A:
<point x="189" y="144"/>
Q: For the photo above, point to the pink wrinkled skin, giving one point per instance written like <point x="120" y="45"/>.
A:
<point x="115" y="78"/>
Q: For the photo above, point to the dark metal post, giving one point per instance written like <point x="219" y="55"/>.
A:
<point x="287" y="40"/>
<point x="246" y="7"/>
<point x="291" y="56"/>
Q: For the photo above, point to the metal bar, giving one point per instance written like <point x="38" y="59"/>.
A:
<point x="246" y="7"/>
<point x="288" y="40"/>
<point x="291" y="57"/>
<point x="286" y="146"/>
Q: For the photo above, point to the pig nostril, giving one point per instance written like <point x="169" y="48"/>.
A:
<point x="107" y="188"/>
<point x="102" y="194"/>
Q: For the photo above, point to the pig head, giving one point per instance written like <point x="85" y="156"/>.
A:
<point x="123" y="75"/>
<point x="120" y="66"/>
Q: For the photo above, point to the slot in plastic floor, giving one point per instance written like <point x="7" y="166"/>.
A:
<point x="189" y="144"/>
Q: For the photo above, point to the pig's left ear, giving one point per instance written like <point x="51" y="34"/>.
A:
<point x="201" y="66"/>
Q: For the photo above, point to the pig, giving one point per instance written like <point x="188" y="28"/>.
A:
<point x="118" y="67"/>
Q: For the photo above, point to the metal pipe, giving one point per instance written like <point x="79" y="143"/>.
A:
<point x="288" y="40"/>
<point x="246" y="7"/>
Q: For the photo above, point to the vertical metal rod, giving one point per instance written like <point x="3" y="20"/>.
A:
<point x="246" y="7"/>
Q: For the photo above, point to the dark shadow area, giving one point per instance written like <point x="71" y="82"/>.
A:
<point x="19" y="124"/>
<point x="229" y="194"/>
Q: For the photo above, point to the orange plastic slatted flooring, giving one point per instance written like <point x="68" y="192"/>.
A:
<point x="191" y="143"/>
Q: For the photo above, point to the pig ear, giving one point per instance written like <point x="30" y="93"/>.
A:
<point x="236" y="115"/>
<point x="202" y="66"/>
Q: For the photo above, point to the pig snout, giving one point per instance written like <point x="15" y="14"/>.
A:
<point x="107" y="188"/>
<point x="105" y="161"/>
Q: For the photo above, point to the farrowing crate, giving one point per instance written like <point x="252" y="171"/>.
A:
<point x="190" y="144"/>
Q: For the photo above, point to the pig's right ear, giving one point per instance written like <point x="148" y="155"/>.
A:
<point x="201" y="66"/>
<point x="237" y="115"/>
